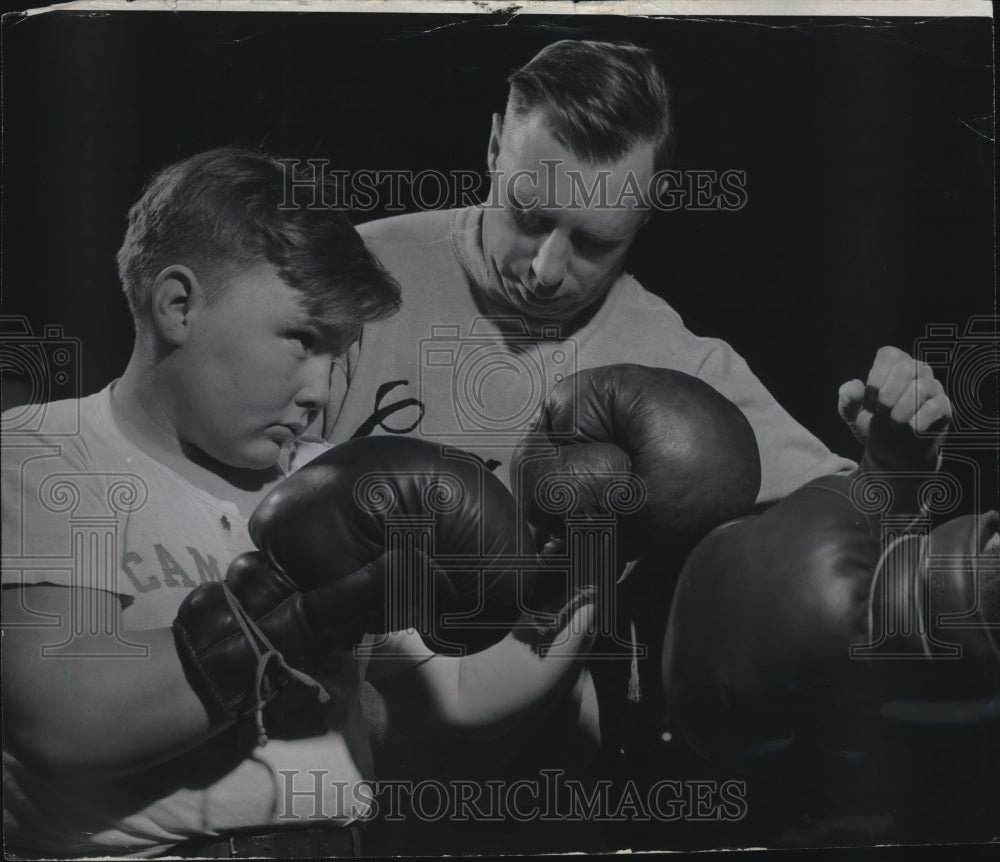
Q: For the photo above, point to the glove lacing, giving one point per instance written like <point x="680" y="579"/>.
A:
<point x="548" y="623"/>
<point x="633" y="693"/>
<point x="257" y="639"/>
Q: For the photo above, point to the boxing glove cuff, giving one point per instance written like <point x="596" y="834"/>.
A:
<point x="559" y="590"/>
<point x="236" y="663"/>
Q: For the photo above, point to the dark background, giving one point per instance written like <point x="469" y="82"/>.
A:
<point x="866" y="145"/>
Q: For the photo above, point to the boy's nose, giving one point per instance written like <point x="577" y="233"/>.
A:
<point x="314" y="393"/>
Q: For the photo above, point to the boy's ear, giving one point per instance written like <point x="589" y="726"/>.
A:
<point x="173" y="292"/>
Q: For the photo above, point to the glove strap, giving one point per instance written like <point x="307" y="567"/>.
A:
<point x="257" y="639"/>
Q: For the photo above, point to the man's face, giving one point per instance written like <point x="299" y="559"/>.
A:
<point x="550" y="251"/>
<point x="253" y="371"/>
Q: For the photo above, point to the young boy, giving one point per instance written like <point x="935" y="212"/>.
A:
<point x="118" y="505"/>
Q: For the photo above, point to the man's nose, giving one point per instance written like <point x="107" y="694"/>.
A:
<point x="314" y="391"/>
<point x="549" y="264"/>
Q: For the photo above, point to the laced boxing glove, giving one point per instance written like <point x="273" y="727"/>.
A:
<point x="243" y="639"/>
<point x="796" y="624"/>
<point x="324" y="575"/>
<point x="660" y="449"/>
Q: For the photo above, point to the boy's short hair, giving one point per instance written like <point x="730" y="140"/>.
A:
<point x="601" y="98"/>
<point x="220" y="212"/>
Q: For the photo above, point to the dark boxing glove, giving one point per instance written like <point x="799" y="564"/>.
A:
<point x="796" y="624"/>
<point x="242" y="639"/>
<point x="660" y="449"/>
<point x="330" y="529"/>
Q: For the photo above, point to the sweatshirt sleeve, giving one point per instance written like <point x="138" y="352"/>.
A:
<point x="790" y="456"/>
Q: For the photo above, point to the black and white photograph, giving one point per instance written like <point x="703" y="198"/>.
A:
<point x="499" y="429"/>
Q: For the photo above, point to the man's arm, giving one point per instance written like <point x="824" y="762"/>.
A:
<point x="910" y="410"/>
<point x="93" y="717"/>
<point x="790" y="455"/>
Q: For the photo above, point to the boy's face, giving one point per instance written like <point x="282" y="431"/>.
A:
<point x="253" y="371"/>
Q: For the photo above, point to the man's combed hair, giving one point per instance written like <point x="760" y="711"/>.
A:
<point x="220" y="212"/>
<point x="601" y="98"/>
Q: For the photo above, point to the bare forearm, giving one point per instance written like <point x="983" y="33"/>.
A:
<point x="524" y="675"/>
<point x="486" y="693"/>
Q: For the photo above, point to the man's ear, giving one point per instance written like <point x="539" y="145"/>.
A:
<point x="173" y="292"/>
<point x="496" y="132"/>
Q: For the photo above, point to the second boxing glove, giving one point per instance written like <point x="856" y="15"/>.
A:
<point x="660" y="449"/>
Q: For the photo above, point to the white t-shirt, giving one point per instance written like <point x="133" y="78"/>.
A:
<point x="83" y="506"/>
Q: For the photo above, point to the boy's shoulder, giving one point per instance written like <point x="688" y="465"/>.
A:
<point x="66" y="418"/>
<point x="68" y="429"/>
<point x="48" y="460"/>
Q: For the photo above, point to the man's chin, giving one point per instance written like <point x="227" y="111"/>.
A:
<point x="567" y="318"/>
<point x="540" y="311"/>
<point x="509" y="302"/>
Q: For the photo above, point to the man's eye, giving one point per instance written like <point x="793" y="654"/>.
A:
<point x="589" y="245"/>
<point x="529" y="220"/>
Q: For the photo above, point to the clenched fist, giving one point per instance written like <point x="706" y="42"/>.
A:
<point x="900" y="414"/>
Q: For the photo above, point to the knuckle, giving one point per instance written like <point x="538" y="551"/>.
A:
<point x="932" y="388"/>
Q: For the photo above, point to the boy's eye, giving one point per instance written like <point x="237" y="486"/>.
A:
<point x="321" y="340"/>
<point x="303" y="338"/>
